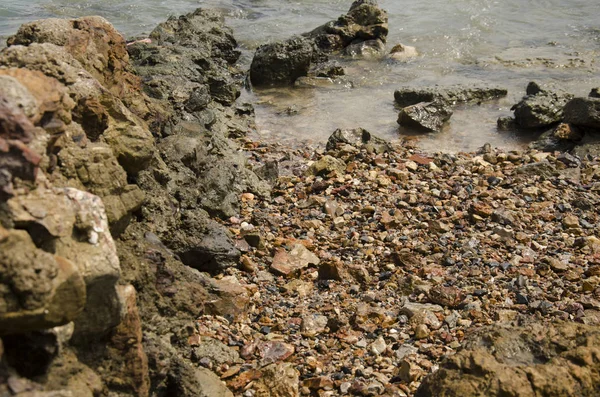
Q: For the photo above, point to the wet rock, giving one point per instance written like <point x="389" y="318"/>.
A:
<point x="278" y="380"/>
<point x="281" y="63"/>
<point x="540" y="108"/>
<point x="451" y="96"/>
<point x="365" y="49"/>
<point x="401" y="52"/>
<point x="364" y="21"/>
<point x="551" y="361"/>
<point x="425" y="116"/>
<point x="583" y="112"/>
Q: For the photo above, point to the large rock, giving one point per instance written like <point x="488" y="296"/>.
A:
<point x="73" y="224"/>
<point x="38" y="290"/>
<point x="101" y="114"/>
<point x="97" y="46"/>
<point x="281" y="63"/>
<point x="541" y="107"/>
<point x="364" y="21"/>
<point x="425" y="116"/>
<point x="539" y="360"/>
<point x="583" y="112"/>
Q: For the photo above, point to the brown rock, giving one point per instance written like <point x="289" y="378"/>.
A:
<point x="291" y="263"/>
<point x="278" y="380"/>
<point x="274" y="351"/>
<point x="446" y="296"/>
<point x="555" y="360"/>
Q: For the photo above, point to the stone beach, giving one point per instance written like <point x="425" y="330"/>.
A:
<point x="151" y="246"/>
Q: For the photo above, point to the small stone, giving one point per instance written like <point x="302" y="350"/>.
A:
<point x="421" y="332"/>
<point x="378" y="347"/>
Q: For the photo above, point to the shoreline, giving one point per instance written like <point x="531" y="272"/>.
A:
<point x="149" y="247"/>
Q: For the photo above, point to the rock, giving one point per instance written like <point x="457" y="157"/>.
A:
<point x="290" y="263"/>
<point x="326" y="166"/>
<point x="217" y="352"/>
<point x="551" y="360"/>
<point x="425" y="116"/>
<point x="583" y="112"/>
<point x="187" y="381"/>
<point x="401" y="52"/>
<point x="364" y="21"/>
<point x="281" y="63"/>
<point x="359" y="138"/>
<point x="446" y="296"/>
<point x="39" y="290"/>
<point x="275" y="351"/>
<point x="127" y="348"/>
<point x="563" y="137"/>
<point x="450" y="96"/>
<point x="230" y="301"/>
<point x="594" y="93"/>
<point x="17" y="160"/>
<point x="278" y="380"/>
<point x="58" y="216"/>
<point x="540" y="107"/>
<point x="313" y="325"/>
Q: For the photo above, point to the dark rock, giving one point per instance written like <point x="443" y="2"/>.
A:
<point x="594" y="93"/>
<point x="425" y="116"/>
<point x="364" y="21"/>
<point x="540" y="108"/>
<point x="450" y="96"/>
<point x="281" y="63"/>
<point x="583" y="112"/>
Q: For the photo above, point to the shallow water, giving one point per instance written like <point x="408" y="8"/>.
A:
<point x="506" y="43"/>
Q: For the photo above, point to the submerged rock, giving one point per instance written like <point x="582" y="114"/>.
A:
<point x="450" y="96"/>
<point x="425" y="116"/>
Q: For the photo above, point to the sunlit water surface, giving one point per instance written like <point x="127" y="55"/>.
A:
<point x="480" y="42"/>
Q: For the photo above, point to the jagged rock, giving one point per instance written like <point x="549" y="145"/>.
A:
<point x="17" y="160"/>
<point x="359" y="138"/>
<point x="73" y="224"/>
<point x="425" y="116"/>
<point x="230" y="301"/>
<point x="281" y="63"/>
<point x="563" y="137"/>
<point x="583" y="112"/>
<point x="127" y="355"/>
<point x="364" y="21"/>
<point x="102" y="115"/>
<point x="451" y="96"/>
<point x="541" y="107"/>
<point x="38" y="290"/>
<point x="327" y="165"/>
<point x="97" y="46"/>
<point x="538" y="360"/>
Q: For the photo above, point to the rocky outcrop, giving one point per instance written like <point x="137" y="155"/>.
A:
<point x="362" y="32"/>
<point x="555" y="360"/>
<point x="88" y="152"/>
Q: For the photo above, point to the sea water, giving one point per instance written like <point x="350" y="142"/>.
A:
<point x="474" y="42"/>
